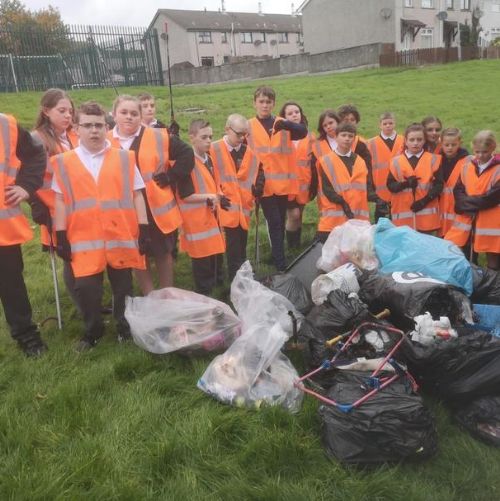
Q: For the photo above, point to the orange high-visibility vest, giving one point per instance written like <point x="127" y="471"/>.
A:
<point x="14" y="227"/>
<point x="152" y="159"/>
<point x="200" y="232"/>
<point x="303" y="151"/>
<point x="321" y="147"/>
<point x="381" y="159"/>
<point x="487" y="222"/>
<point x="352" y="188"/>
<point x="277" y="155"/>
<point x="447" y="200"/>
<point x="428" y="218"/>
<point x="237" y="186"/>
<point x="101" y="220"/>
<point x="357" y="139"/>
<point x="45" y="193"/>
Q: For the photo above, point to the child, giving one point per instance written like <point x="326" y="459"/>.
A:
<point x="477" y="196"/>
<point x="342" y="176"/>
<point x="303" y="150"/>
<point x="54" y="128"/>
<point x="148" y="111"/>
<point x="100" y="221"/>
<point x="271" y="139"/>
<point x="239" y="175"/>
<point x="433" y="128"/>
<point x="23" y="162"/>
<point x="154" y="152"/>
<point x="328" y="122"/>
<point x="382" y="149"/>
<point x="201" y="235"/>
<point x="453" y="159"/>
<point x="415" y="181"/>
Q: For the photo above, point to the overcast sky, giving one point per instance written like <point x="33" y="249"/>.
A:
<point x="141" y="12"/>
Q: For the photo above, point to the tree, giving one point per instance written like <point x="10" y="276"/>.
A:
<point x="26" y="32"/>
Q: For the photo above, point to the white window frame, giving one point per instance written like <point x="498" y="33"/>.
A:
<point x="464" y="4"/>
<point x="205" y="37"/>
<point x="246" y="37"/>
<point x="427" y="4"/>
<point x="408" y="3"/>
<point x="427" y="33"/>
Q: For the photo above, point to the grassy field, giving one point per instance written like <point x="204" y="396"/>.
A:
<point x="119" y="423"/>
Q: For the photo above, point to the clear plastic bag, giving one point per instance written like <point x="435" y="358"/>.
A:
<point x="253" y="371"/>
<point x="351" y="242"/>
<point x="173" y="319"/>
<point x="344" y="278"/>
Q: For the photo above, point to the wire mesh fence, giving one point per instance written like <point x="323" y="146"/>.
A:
<point x="79" y="56"/>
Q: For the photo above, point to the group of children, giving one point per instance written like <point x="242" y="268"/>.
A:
<point x="120" y="197"/>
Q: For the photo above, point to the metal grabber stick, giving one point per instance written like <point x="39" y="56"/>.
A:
<point x="54" y="275"/>
<point x="257" y="249"/>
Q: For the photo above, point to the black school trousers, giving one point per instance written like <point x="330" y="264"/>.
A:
<point x="207" y="272"/>
<point x="236" y="249"/>
<point x="13" y="293"/>
<point x="274" y="208"/>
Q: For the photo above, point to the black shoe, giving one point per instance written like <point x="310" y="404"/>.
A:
<point x="124" y="336"/>
<point x="85" y="344"/>
<point x="34" y="349"/>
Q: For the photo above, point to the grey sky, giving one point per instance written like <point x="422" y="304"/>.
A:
<point x="141" y="12"/>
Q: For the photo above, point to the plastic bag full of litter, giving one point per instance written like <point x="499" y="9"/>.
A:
<point x="253" y="371"/>
<point x="173" y="319"/>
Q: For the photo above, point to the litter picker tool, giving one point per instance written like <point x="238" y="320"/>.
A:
<point x="471" y="239"/>
<point x="413" y="212"/>
<point x="174" y="126"/>
<point x="257" y="250"/>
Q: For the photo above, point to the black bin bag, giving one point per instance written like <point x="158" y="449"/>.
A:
<point x="337" y="315"/>
<point x="389" y="427"/>
<point x="481" y="418"/>
<point x="458" y="370"/>
<point x="486" y="286"/>
<point x="410" y="294"/>
<point x="292" y="288"/>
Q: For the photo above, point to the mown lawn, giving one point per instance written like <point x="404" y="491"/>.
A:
<point x="119" y="423"/>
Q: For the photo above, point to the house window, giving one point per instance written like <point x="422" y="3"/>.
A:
<point x="207" y="61"/>
<point x="495" y="7"/>
<point x="300" y="38"/>
<point x="246" y="37"/>
<point x="226" y="59"/>
<point x="223" y="37"/>
<point x="465" y="4"/>
<point x="408" y="3"/>
<point x="205" y="37"/>
<point x="426" y="38"/>
<point x="427" y="4"/>
<point x="283" y="37"/>
<point x="449" y="4"/>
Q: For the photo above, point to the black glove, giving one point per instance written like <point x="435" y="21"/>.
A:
<point x="347" y="210"/>
<point x="63" y="247"/>
<point x="162" y="179"/>
<point x="224" y="202"/>
<point x="418" y="205"/>
<point x="40" y="213"/>
<point x="144" y="241"/>
<point x="174" y="128"/>
<point x="279" y="125"/>
<point x="258" y="190"/>
<point x="412" y="182"/>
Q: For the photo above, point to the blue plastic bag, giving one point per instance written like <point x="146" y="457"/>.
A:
<point x="400" y="248"/>
<point x="489" y="318"/>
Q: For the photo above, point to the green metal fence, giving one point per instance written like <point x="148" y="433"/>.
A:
<point x="79" y="57"/>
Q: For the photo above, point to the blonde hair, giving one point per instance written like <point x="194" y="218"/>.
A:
<point x="387" y="115"/>
<point x="236" y="118"/>
<point x="486" y="139"/>
<point x="451" y="132"/>
<point x="125" y="97"/>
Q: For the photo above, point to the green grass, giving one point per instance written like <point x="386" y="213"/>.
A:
<point x="119" y="423"/>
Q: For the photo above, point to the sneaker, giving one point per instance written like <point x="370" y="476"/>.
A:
<point x="84" y="345"/>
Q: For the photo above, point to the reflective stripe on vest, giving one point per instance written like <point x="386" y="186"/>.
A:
<point x="126" y="201"/>
<point x="490" y="232"/>
<point x="159" y="148"/>
<point x="193" y="237"/>
<point x="11" y="212"/>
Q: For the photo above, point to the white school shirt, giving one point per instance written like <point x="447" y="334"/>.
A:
<point x="93" y="163"/>
<point x="332" y="142"/>
<point x="229" y="147"/>
<point x="125" y="141"/>
<point x="392" y="137"/>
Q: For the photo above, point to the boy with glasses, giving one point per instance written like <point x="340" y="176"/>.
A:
<point x="240" y="177"/>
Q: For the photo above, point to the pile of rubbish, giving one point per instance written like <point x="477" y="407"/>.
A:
<point x="382" y="316"/>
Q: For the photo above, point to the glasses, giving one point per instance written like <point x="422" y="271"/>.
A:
<point x="88" y="126"/>
<point x="239" y="134"/>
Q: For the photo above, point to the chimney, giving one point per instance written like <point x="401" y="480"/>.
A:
<point x="260" y="7"/>
<point x="222" y="6"/>
<point x="293" y="9"/>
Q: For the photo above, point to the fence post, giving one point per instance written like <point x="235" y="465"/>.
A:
<point x="124" y="61"/>
<point x="13" y="72"/>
